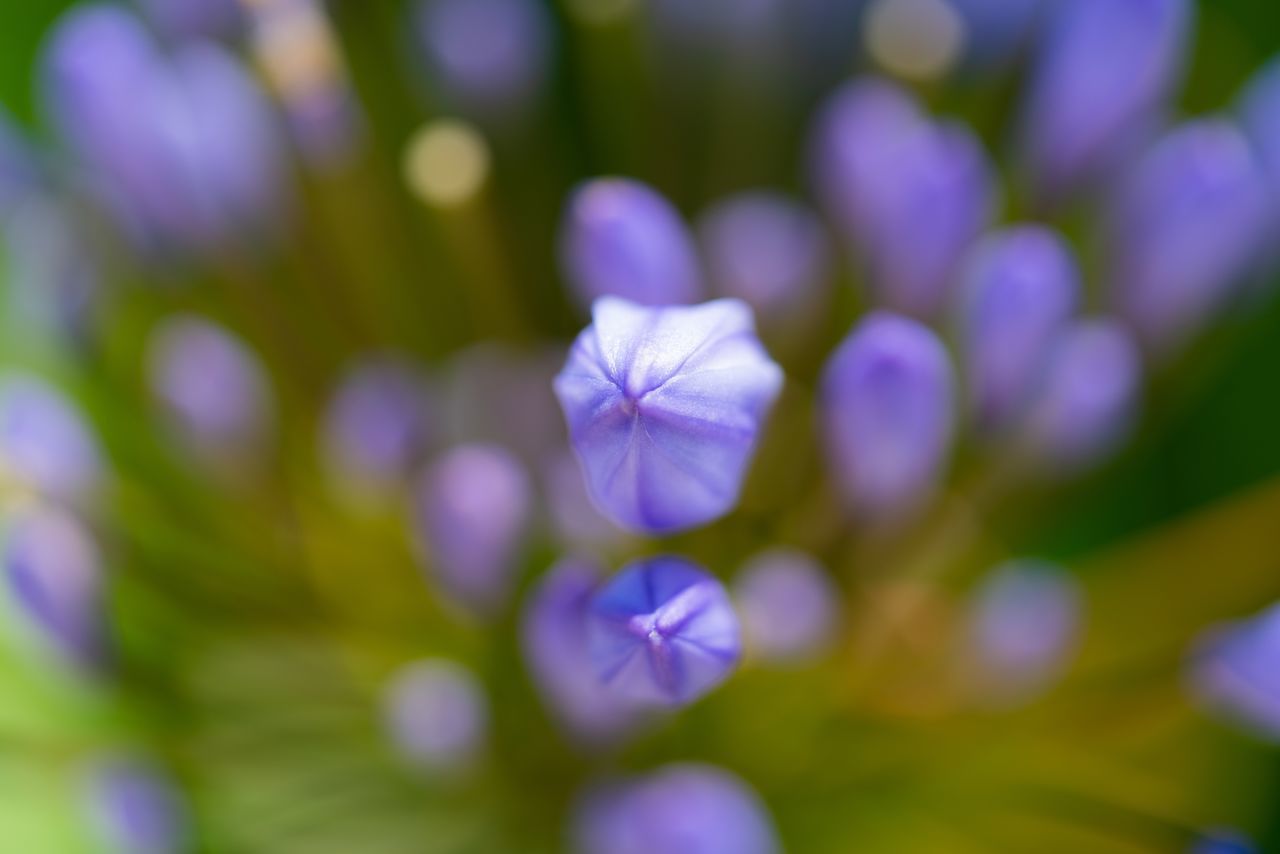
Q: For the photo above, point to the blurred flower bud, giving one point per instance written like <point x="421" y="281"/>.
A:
<point x="662" y="632"/>
<point x="1020" y="288"/>
<point x="1088" y="398"/>
<point x="1187" y="226"/>
<point x="488" y="57"/>
<point x="554" y="640"/>
<point x="997" y="31"/>
<point x="437" y="716"/>
<point x="54" y="575"/>
<point x="789" y="607"/>
<point x="136" y="810"/>
<point x="210" y="384"/>
<point x="472" y="507"/>
<point x="1234" y="673"/>
<point x="54" y="275"/>
<point x="575" y="518"/>
<point x="1102" y="75"/>
<point x="502" y="394"/>
<point x="376" y="426"/>
<point x="888" y="414"/>
<point x="767" y="250"/>
<point x="1259" y="109"/>
<point x="45" y="445"/>
<point x="621" y="238"/>
<point x="1024" y="625"/>
<point x="687" y="808"/>
<point x="1224" y="842"/>
<point x="192" y="19"/>
<point x="664" y="407"/>
<point x="19" y="169"/>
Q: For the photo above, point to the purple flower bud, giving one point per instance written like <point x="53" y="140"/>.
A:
<point x="1259" y="110"/>
<point x="54" y="274"/>
<point x="621" y="238"/>
<point x="437" y="715"/>
<point x="686" y="808"/>
<point x="1103" y="74"/>
<point x="1088" y="397"/>
<point x="789" y="606"/>
<point x="54" y="575"/>
<point x="19" y="170"/>
<point x="210" y="383"/>
<point x="766" y="250"/>
<point x="1234" y="673"/>
<point x="1188" y="225"/>
<point x="664" y="407"/>
<point x="488" y="56"/>
<point x="1024" y="625"/>
<point x="1020" y="288"/>
<point x="554" y="640"/>
<point x="662" y="632"/>
<point x="136" y="810"/>
<point x="997" y="30"/>
<point x="576" y="520"/>
<point x="44" y="443"/>
<point x="1224" y="842"/>
<point x="377" y="425"/>
<point x="909" y="195"/>
<point x="888" y="414"/>
<point x="190" y="19"/>
<point x="472" y="508"/>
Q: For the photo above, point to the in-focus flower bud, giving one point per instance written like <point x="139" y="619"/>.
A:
<point x="1103" y="73"/>
<point x="135" y="809"/>
<point x="554" y="639"/>
<point x="376" y="426"/>
<point x="909" y="195"/>
<point x="662" y="632"/>
<point x="1024" y="625"/>
<point x="664" y="406"/>
<point x="488" y="57"/>
<point x="687" y="808"/>
<point x="437" y="715"/>
<point x="767" y="250"/>
<point x="472" y="508"/>
<point x="210" y="384"/>
<point x="45" y="445"/>
<point x="1019" y="289"/>
<point x="54" y="575"/>
<point x="192" y="19"/>
<point x="1234" y="673"/>
<point x="789" y="606"/>
<point x="1187" y="226"/>
<point x="1088" y="398"/>
<point x="887" y="399"/>
<point x="622" y="238"/>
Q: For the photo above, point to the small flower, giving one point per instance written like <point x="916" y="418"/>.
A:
<point x="662" y="632"/>
<point x="1102" y="75"/>
<point x="1020" y="288"/>
<point x="45" y="445"/>
<point x="621" y="238"/>
<point x="136" y="810"/>
<point x="437" y="715"/>
<point x="789" y="606"/>
<point x="687" y="808"/>
<point x="664" y="407"/>
<point x="1233" y="672"/>
<point x="472" y="507"/>
<point x="888" y="414"/>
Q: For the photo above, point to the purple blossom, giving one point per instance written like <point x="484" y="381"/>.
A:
<point x="997" y="30"/>
<point x="1234" y="673"/>
<point x="554" y="641"/>
<point x="888" y="414"/>
<point x="664" y="407"/>
<point x="136" y="810"/>
<point x="1020" y="288"/>
<point x="1188" y="226"/>
<point x="1259" y="110"/>
<point x="45" y="444"/>
<point x="1088" y="398"/>
<point x="190" y="19"/>
<point x="210" y="383"/>
<point x="622" y="238"/>
<point x="662" y="632"/>
<point x="1024" y="624"/>
<point x="766" y="250"/>
<point x="488" y="56"/>
<point x="684" y="808"/>
<point x="1102" y="76"/>
<point x="789" y="606"/>
<point x="54" y="575"/>
<point x="910" y="195"/>
<point x="472" y="508"/>
<point x="437" y="715"/>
